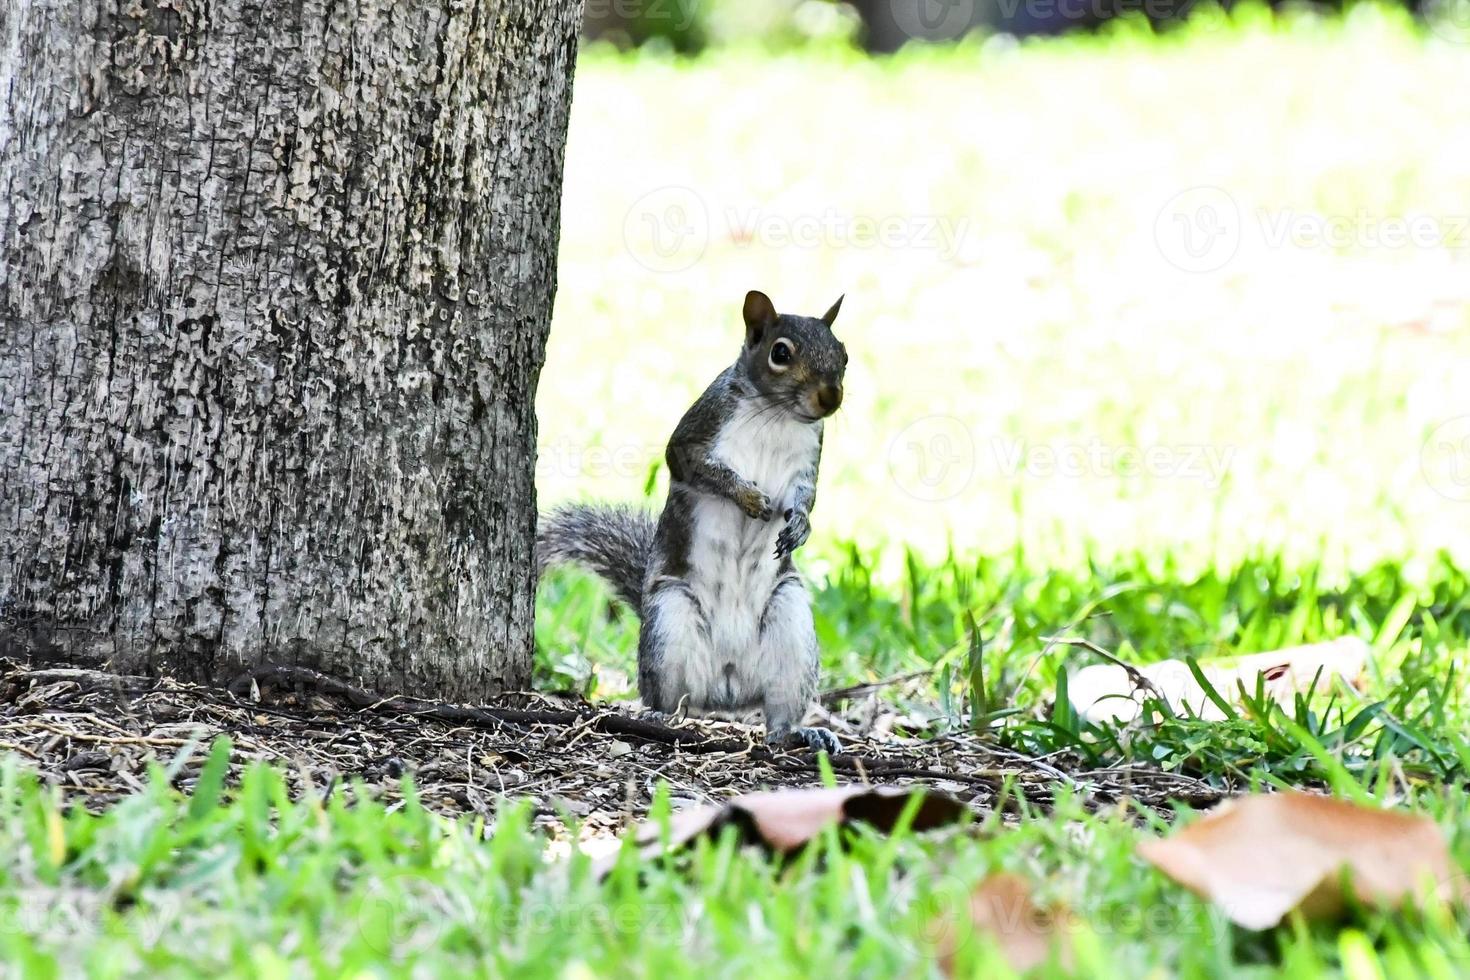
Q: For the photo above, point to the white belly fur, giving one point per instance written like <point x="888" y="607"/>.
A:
<point x="732" y="566"/>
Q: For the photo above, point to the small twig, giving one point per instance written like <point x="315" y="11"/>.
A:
<point x="1037" y="763"/>
<point x="81" y="736"/>
<point x="858" y="690"/>
<point x="1136" y="676"/>
<point x="17" y="747"/>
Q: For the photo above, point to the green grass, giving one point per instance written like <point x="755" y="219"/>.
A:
<point x="1411" y="708"/>
<point x="1307" y="380"/>
<point x="261" y="885"/>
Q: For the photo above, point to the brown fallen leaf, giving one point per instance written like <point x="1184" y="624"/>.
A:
<point x="1026" y="934"/>
<point x="786" y="820"/>
<point x="1261" y="857"/>
<point x="1109" y="692"/>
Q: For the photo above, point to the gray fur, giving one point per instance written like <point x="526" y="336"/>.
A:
<point x="726" y="619"/>
<point x="614" y="541"/>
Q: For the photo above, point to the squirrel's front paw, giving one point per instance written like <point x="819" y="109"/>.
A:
<point x="755" y="504"/>
<point x="798" y="528"/>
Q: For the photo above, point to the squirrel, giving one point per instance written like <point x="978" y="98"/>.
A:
<point x="726" y="619"/>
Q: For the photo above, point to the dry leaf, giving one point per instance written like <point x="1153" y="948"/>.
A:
<point x="1001" y="907"/>
<point x="1261" y="857"/>
<point x="1106" y="692"/>
<point x="785" y="820"/>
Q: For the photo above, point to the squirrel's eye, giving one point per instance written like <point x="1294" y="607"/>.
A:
<point x="781" y="354"/>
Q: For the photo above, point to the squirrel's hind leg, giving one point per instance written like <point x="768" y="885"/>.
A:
<point x="673" y="643"/>
<point x="788" y="660"/>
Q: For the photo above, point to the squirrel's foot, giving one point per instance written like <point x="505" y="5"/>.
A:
<point x="816" y="739"/>
<point x="668" y="718"/>
<point x="820" y="740"/>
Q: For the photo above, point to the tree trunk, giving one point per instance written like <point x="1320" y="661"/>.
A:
<point x="275" y="283"/>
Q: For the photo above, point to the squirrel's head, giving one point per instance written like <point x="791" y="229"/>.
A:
<point x="794" y="360"/>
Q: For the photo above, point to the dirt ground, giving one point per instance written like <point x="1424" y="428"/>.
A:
<point x="93" y="734"/>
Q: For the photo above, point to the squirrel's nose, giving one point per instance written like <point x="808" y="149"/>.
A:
<point x="829" y="397"/>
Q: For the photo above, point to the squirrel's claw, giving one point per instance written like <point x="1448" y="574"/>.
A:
<point x="793" y="535"/>
<point x="818" y="740"/>
<point x="815" y="739"/>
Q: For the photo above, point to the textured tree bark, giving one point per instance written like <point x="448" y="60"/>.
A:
<point x="275" y="283"/>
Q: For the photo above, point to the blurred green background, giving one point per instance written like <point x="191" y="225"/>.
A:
<point x="1149" y="297"/>
<point x="884" y="26"/>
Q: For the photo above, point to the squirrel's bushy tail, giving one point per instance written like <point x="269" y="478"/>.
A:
<point x="614" y="541"/>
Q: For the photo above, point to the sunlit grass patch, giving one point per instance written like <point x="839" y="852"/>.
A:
<point x="1104" y="295"/>
<point x="1411" y="708"/>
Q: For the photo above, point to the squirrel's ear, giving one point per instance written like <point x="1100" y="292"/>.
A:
<point x="830" y="316"/>
<point x="760" y="313"/>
